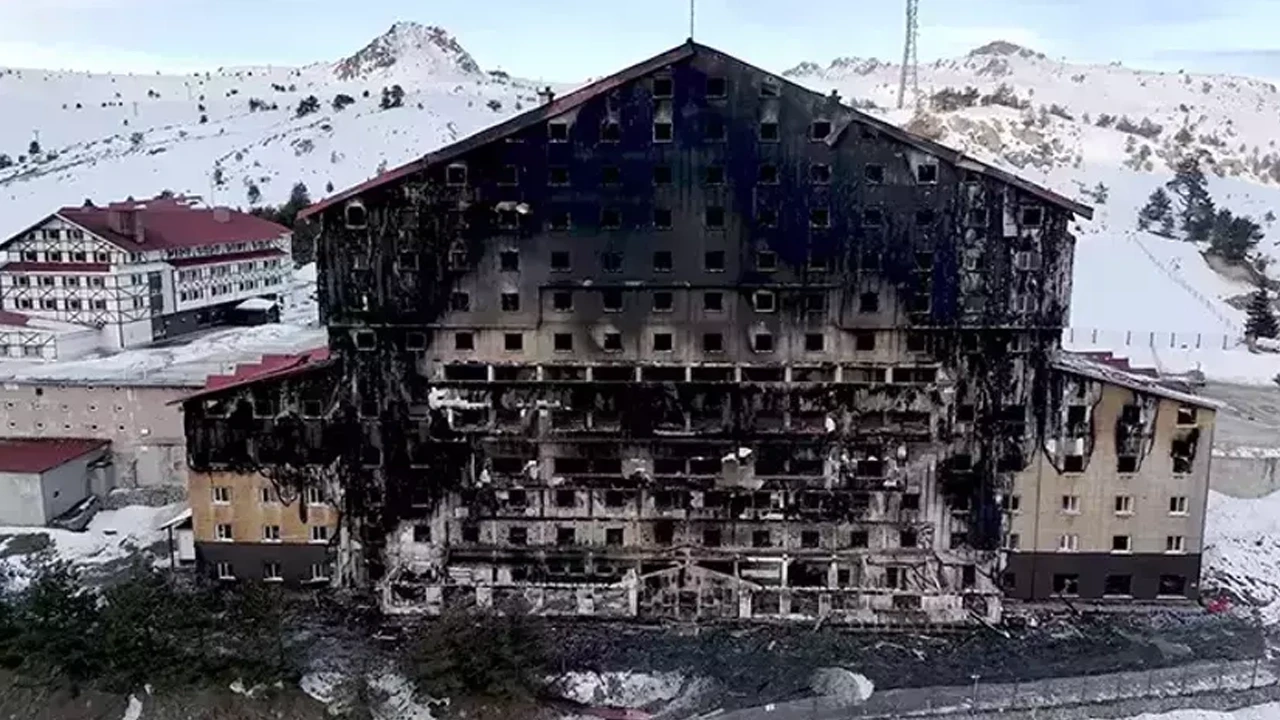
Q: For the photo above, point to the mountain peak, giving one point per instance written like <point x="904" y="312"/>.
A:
<point x="413" y="46"/>
<point x="1005" y="48"/>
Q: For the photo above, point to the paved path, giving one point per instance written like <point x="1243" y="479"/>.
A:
<point x="1053" y="692"/>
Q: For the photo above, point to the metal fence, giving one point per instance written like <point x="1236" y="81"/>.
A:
<point x="1075" y="338"/>
<point x="981" y="697"/>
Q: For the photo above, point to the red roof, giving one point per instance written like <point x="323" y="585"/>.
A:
<point x="13" y="318"/>
<point x="271" y="367"/>
<point x="56" y="267"/>
<point x="169" y="223"/>
<point x="225" y="258"/>
<point x="36" y="455"/>
<point x="584" y="94"/>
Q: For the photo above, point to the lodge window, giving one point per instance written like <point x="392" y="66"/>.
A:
<point x="558" y="131"/>
<point x="610" y="131"/>
<point x="558" y="176"/>
<point x="663" y="131"/>
<point x="510" y="302"/>
<point x="562" y="301"/>
<point x="713" y="302"/>
<point x="814" y="342"/>
<point x="717" y="87"/>
<point x="874" y="174"/>
<point x="509" y="175"/>
<point x="563" y="342"/>
<point x="662" y="175"/>
<point x="464" y="341"/>
<point x="713" y="343"/>
<point x="762" y="343"/>
<point x="713" y="261"/>
<point x="455" y="175"/>
<point x="820" y="174"/>
<point x="819" y="218"/>
<point x="610" y="175"/>
<point x="560" y="261"/>
<point x="663" y="301"/>
<point x="769" y="131"/>
<point x="1032" y="216"/>
<point x="927" y="173"/>
<point x="662" y="218"/>
<point x="509" y="260"/>
<point x="663" y="87"/>
<point x="714" y="130"/>
<point x="768" y="174"/>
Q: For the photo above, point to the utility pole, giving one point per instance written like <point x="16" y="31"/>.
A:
<point x="909" y="57"/>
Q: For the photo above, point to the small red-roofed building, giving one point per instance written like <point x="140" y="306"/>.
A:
<point x="141" y="271"/>
<point x="43" y="478"/>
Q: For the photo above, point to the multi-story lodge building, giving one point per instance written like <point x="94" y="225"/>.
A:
<point x="140" y="271"/>
<point x="692" y="341"/>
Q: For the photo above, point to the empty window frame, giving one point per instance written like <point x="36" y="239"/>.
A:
<point x="820" y="174"/>
<point x="713" y="261"/>
<point x="558" y="131"/>
<point x="455" y="175"/>
<point x="819" y="130"/>
<point x="766" y="260"/>
<point x="769" y="131"/>
<point x="610" y="131"/>
<point x="927" y="173"/>
<point x="662" y="219"/>
<point x="662" y="261"/>
<point x="764" y="301"/>
<point x="767" y="174"/>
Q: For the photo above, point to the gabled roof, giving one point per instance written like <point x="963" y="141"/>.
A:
<point x="168" y="223"/>
<point x="36" y="455"/>
<point x="589" y="92"/>
<point x="271" y="367"/>
<point x="1116" y="371"/>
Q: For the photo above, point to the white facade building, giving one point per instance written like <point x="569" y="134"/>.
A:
<point x="142" y="271"/>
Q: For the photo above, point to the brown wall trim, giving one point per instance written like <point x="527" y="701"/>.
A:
<point x="1040" y="576"/>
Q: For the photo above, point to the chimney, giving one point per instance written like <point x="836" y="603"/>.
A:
<point x="547" y="94"/>
<point x="222" y="214"/>
<point x="126" y="220"/>
<point x="835" y="96"/>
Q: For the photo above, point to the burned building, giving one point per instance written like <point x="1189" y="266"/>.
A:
<point x="689" y="342"/>
<point x="1111" y="506"/>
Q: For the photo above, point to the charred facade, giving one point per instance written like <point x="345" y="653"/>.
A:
<point x="691" y="342"/>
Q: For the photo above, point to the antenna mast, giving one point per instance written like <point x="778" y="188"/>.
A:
<point x="910" y="63"/>
<point x="691" y="15"/>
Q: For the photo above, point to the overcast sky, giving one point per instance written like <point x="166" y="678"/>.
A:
<point x="569" y="40"/>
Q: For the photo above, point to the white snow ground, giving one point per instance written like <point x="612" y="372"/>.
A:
<point x="112" y="535"/>
<point x="1269" y="711"/>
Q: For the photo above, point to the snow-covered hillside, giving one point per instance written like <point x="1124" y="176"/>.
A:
<point x="1073" y="127"/>
<point x="1070" y="127"/>
<point x="214" y="134"/>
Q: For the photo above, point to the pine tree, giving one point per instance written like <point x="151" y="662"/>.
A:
<point x="1234" y="237"/>
<point x="33" y="149"/>
<point x="1157" y="213"/>
<point x="1261" y="320"/>
<point x="254" y="194"/>
<point x="1196" y="210"/>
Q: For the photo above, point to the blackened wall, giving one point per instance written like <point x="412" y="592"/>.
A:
<point x="1030" y="576"/>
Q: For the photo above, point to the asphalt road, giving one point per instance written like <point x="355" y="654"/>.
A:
<point x="1251" y="417"/>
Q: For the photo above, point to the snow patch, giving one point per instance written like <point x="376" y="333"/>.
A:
<point x="619" y="689"/>
<point x="1242" y="550"/>
<point x="845" y="686"/>
<point x="134" y="710"/>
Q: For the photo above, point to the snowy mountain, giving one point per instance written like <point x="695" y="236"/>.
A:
<point x="1071" y="127"/>
<point x="215" y="134"/>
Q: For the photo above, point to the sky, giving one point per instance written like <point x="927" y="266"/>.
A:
<point x="569" y="40"/>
